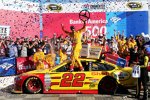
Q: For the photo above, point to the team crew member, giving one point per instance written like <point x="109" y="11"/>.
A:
<point x="63" y="55"/>
<point x="50" y="57"/>
<point x="76" y="36"/>
<point x="144" y="77"/>
<point x="38" y="59"/>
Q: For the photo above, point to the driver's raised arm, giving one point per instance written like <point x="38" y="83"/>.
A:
<point x="83" y="27"/>
<point x="67" y="32"/>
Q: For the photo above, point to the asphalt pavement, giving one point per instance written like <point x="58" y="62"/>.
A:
<point x="5" y="94"/>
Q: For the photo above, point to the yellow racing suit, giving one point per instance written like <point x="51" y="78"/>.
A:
<point x="38" y="59"/>
<point x="77" y="46"/>
<point x="62" y="55"/>
<point x="76" y="49"/>
<point x="50" y="60"/>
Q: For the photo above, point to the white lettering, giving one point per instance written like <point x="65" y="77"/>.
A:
<point x="101" y="21"/>
<point x="6" y="66"/>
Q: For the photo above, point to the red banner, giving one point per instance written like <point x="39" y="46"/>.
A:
<point x="116" y="60"/>
<point x="24" y="64"/>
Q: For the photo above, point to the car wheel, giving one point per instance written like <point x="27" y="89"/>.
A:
<point x="107" y="85"/>
<point x="33" y="85"/>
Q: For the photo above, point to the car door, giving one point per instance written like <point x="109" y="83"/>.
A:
<point x="63" y="79"/>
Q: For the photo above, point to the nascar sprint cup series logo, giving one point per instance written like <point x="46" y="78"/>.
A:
<point x="134" y="5"/>
<point x="54" y="7"/>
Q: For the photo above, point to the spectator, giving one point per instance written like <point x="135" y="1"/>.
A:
<point x="2" y="48"/>
<point x="84" y="38"/>
<point x="144" y="77"/>
<point x="121" y="43"/>
<point x="18" y="45"/>
<point x="24" y="49"/>
<point x="54" y="40"/>
<point x="113" y="45"/>
<point x="12" y="49"/>
<point x="46" y="46"/>
<point x="131" y="41"/>
<point x="114" y="52"/>
<point x="134" y="54"/>
<point x="69" y="50"/>
<point x="32" y="45"/>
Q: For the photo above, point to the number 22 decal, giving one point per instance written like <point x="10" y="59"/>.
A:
<point x="70" y="80"/>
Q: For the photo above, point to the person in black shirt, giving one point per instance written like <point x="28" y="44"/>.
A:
<point x="143" y="61"/>
<point x="134" y="54"/>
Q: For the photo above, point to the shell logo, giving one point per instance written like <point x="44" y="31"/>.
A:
<point x="54" y="7"/>
<point x="134" y="5"/>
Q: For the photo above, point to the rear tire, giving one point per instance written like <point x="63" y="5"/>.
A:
<point x="33" y="85"/>
<point x="108" y="85"/>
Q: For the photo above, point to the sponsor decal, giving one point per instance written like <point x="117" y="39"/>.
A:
<point x="115" y="19"/>
<point x="94" y="6"/>
<point x="6" y="66"/>
<point x="47" y="81"/>
<point x="99" y="73"/>
<point x="94" y="80"/>
<point x="6" y="81"/>
<point x="54" y="7"/>
<point x="92" y="85"/>
<point x="134" y="5"/>
<point x="121" y="75"/>
<point x="22" y="67"/>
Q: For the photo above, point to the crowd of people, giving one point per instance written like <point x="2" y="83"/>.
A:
<point x="119" y="45"/>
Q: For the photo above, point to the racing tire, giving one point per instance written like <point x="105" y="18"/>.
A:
<point x="33" y="85"/>
<point x="107" y="85"/>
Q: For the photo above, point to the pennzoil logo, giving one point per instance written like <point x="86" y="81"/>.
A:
<point x="134" y="5"/>
<point x="54" y="7"/>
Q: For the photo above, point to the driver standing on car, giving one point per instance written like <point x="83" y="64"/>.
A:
<point x="77" y="45"/>
<point x="144" y="76"/>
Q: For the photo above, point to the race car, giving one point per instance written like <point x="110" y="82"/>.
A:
<point x="98" y="77"/>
